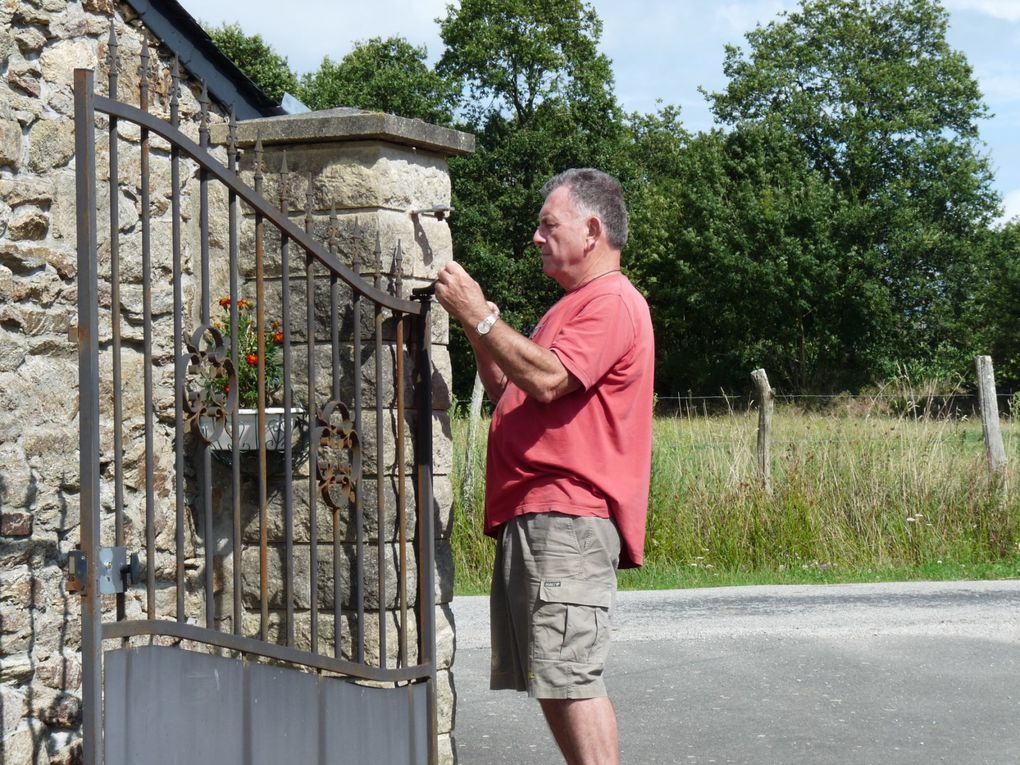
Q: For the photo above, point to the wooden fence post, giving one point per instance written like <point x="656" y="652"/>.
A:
<point x="990" y="414"/>
<point x="766" y="398"/>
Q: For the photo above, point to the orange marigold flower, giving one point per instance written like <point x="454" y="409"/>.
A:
<point x="252" y="359"/>
<point x="243" y="304"/>
<point x="278" y="337"/>
<point x="224" y="302"/>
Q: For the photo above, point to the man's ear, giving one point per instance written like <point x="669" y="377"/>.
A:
<point x="594" y="231"/>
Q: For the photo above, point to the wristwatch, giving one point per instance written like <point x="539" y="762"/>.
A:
<point x="486" y="324"/>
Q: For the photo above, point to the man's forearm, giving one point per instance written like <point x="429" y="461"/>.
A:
<point x="505" y="355"/>
<point x="492" y="377"/>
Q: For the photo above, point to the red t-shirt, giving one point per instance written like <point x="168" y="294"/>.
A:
<point x="588" y="452"/>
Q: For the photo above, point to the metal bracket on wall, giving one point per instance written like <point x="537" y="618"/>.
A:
<point x="117" y="570"/>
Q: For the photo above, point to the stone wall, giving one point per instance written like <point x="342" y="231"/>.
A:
<point x="373" y="168"/>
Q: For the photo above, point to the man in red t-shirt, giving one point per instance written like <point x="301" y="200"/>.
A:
<point x="568" y="461"/>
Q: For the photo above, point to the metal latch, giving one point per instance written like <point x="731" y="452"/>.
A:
<point x="117" y="570"/>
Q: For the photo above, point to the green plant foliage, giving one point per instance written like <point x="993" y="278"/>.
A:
<point x="256" y="59"/>
<point x="539" y="97"/>
<point x="857" y="495"/>
<point x="388" y="75"/>
<point x="886" y="112"/>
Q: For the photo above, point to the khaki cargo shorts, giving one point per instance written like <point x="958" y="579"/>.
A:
<point x="553" y="588"/>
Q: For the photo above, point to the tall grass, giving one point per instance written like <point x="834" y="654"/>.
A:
<point x="853" y="497"/>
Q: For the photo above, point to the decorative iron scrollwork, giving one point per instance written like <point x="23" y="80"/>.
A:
<point x="338" y="449"/>
<point x="215" y="395"/>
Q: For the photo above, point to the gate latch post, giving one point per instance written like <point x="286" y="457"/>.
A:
<point x="117" y="570"/>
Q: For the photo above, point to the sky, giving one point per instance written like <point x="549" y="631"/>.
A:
<point x="660" y="49"/>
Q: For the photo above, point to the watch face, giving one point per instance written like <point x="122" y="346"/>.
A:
<point x="486" y="324"/>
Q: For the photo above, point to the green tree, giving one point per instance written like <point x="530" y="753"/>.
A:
<point x="1001" y="307"/>
<point x="388" y="75"/>
<point x="740" y="262"/>
<point x="539" y="97"/>
<point x="256" y="58"/>
<point x="887" y="113"/>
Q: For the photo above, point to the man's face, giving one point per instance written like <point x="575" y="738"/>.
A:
<point x="562" y="237"/>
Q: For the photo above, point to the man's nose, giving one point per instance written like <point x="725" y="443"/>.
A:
<point x="537" y="237"/>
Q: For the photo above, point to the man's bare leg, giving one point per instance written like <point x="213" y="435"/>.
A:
<point x="584" y="729"/>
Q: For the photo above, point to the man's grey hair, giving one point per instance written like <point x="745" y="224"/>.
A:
<point x="595" y="193"/>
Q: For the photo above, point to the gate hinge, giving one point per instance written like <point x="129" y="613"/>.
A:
<point x="117" y="570"/>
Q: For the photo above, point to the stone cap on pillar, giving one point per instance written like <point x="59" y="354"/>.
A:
<point x="346" y="124"/>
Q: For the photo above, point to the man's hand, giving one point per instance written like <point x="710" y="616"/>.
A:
<point x="461" y="295"/>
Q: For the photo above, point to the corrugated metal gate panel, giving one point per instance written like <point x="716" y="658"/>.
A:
<point x="169" y="706"/>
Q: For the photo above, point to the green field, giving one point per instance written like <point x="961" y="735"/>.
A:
<point x="856" y="496"/>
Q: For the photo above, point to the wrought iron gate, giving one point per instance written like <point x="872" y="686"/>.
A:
<point x="285" y="598"/>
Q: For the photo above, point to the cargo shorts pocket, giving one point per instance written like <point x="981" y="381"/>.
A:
<point x="571" y="620"/>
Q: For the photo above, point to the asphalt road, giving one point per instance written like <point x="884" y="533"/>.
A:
<point x="888" y="674"/>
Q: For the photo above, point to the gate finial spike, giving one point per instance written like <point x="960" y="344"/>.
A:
<point x="203" y="125"/>
<point x="175" y="92"/>
<point x="257" y="168"/>
<point x="398" y="269"/>
<point x="357" y="236"/>
<point x="143" y="74"/>
<point x="284" y="183"/>
<point x="334" y="225"/>
<point x="112" y="61"/>
<point x="232" y="141"/>
<point x="309" y="201"/>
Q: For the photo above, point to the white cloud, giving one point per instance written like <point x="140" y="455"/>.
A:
<point x="742" y="17"/>
<point x="1006" y="10"/>
<point x="1011" y="203"/>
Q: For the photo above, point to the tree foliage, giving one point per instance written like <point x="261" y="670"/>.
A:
<point x="834" y="229"/>
<point x="256" y="58"/>
<point x="887" y="113"/>
<point x="388" y="75"/>
<point x="538" y="94"/>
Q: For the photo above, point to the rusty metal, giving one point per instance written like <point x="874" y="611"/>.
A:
<point x="88" y="412"/>
<point x="288" y="501"/>
<point x="380" y="436"/>
<point x="260" y="229"/>
<point x="358" y="586"/>
<point x="201" y="412"/>
<point x="234" y="214"/>
<point x="398" y="351"/>
<point x="180" y="370"/>
<point x="150" y="499"/>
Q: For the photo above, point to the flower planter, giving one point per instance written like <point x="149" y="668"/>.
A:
<point x="248" y="433"/>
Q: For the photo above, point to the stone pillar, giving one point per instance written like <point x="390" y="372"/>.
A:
<point x="384" y="177"/>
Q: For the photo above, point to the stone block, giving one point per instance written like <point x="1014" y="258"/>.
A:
<point x="28" y="223"/>
<point x="17" y="523"/>
<point x="26" y="745"/>
<point x="28" y="39"/>
<point x="50" y="144"/>
<point x="59" y="60"/>
<point x="14" y="706"/>
<point x="61" y="671"/>
<point x="446" y="701"/>
<point x="55" y="708"/>
<point x="10" y="143"/>
<point x="446" y="636"/>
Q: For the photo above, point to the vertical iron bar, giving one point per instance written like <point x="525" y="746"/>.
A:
<point x="150" y="500"/>
<point x="260" y="230"/>
<point x="234" y="216"/>
<point x="288" y="510"/>
<point x="205" y="450"/>
<point x="380" y="484"/>
<point x="398" y="265"/>
<point x="113" y="65"/>
<point x="313" y="520"/>
<point x="313" y="456"/>
<point x="358" y="585"/>
<point x="334" y="337"/>
<point x="426" y="531"/>
<point x="181" y="366"/>
<point x="88" y="413"/>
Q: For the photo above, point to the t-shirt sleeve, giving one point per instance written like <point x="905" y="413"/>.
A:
<point x="590" y="343"/>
